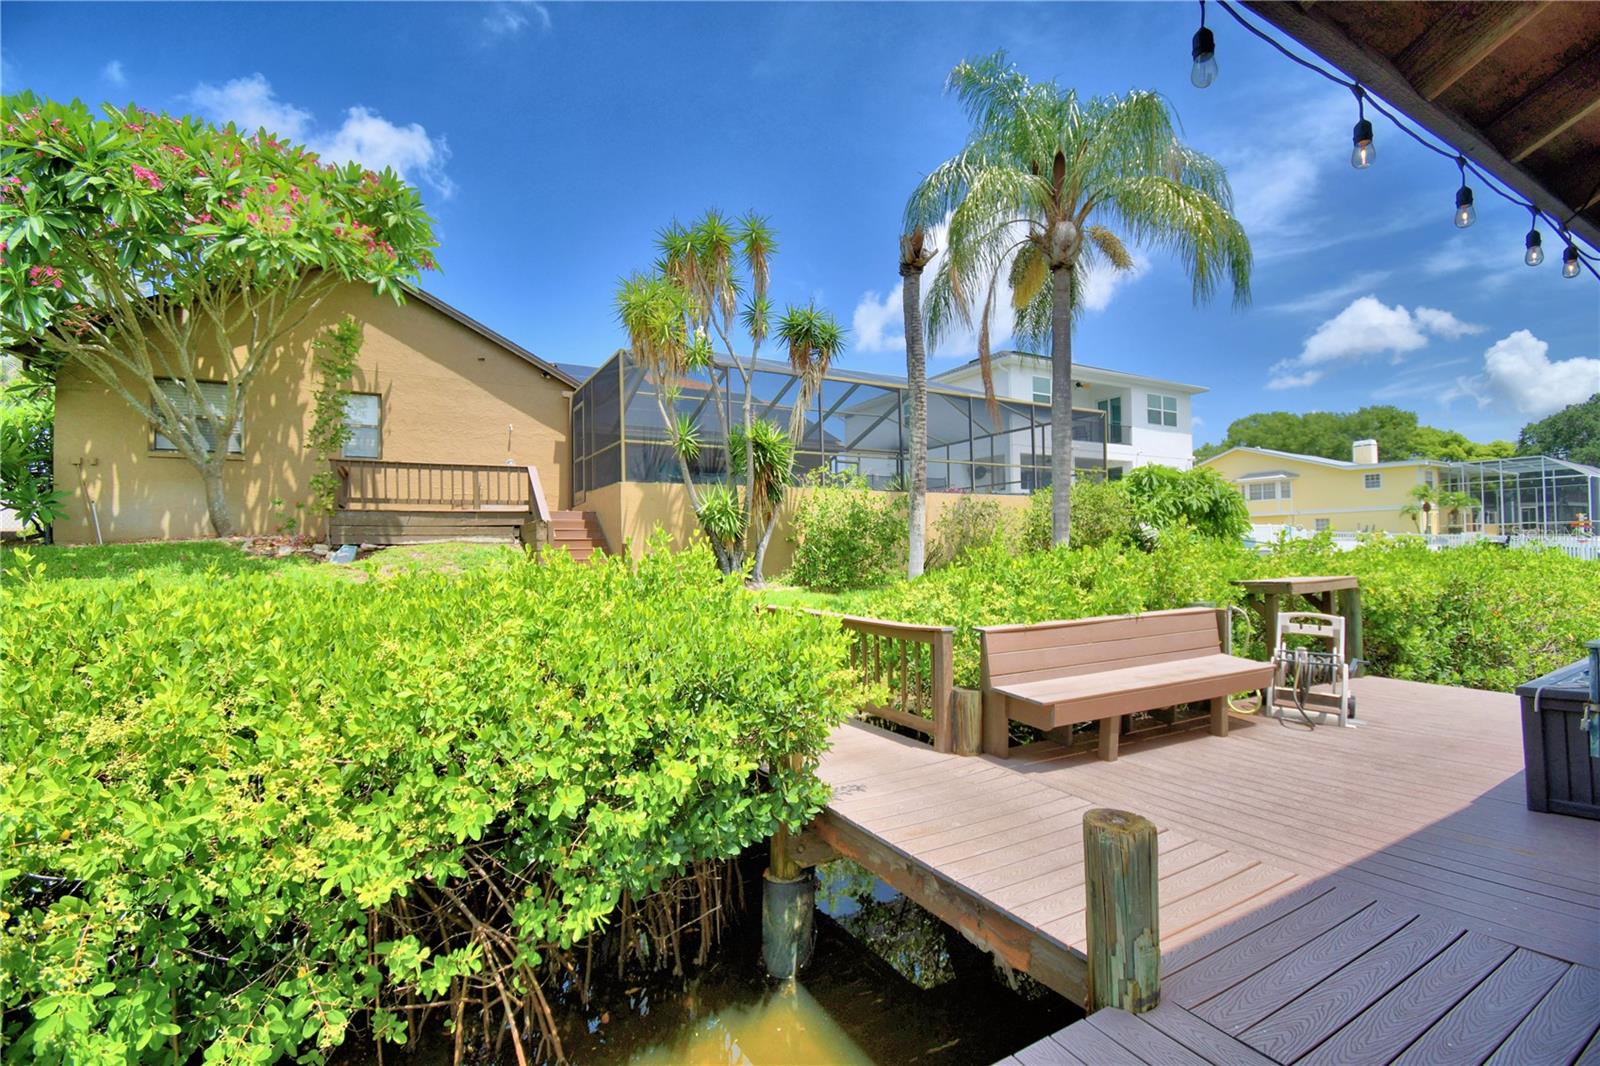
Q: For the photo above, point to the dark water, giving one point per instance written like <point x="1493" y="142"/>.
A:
<point x="888" y="984"/>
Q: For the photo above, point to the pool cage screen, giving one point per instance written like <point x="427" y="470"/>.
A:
<point x="856" y="422"/>
<point x="1532" y="494"/>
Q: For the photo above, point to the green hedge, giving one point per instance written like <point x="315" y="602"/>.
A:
<point x="213" y="791"/>
<point x="1480" y="617"/>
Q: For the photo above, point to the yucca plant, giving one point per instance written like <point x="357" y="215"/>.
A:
<point x="1048" y="185"/>
<point x="770" y="450"/>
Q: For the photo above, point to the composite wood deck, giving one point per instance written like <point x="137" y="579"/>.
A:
<point x="1372" y="894"/>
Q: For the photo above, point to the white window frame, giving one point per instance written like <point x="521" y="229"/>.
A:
<point x="1372" y="481"/>
<point x="1041" y="395"/>
<point x="376" y="425"/>
<point x="216" y="397"/>
<point x="1161" y="410"/>
<point x="1321" y="524"/>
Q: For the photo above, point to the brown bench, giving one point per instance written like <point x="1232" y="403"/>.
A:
<point x="1055" y="674"/>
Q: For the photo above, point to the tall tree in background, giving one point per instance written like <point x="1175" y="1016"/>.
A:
<point x="1330" y="433"/>
<point x="671" y="315"/>
<point x="1031" y="200"/>
<point x="159" y="252"/>
<point x="916" y="251"/>
<point x="1572" y="433"/>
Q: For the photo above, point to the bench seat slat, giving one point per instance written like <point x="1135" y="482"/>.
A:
<point x="1093" y="656"/>
<point x="1144" y="687"/>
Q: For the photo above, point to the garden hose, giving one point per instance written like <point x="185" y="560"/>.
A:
<point x="1304" y="669"/>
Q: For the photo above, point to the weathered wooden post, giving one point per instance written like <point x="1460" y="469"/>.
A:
<point x="1351" y="609"/>
<point x="967" y="704"/>
<point x="788" y="903"/>
<point x="1123" y="918"/>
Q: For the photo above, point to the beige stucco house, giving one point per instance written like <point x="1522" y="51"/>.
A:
<point x="431" y="385"/>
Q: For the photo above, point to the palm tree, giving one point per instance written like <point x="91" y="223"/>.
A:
<point x="1032" y="198"/>
<point x="1428" y="498"/>
<point x="916" y="251"/>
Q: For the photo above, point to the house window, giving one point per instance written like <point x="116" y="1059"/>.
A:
<point x="1041" y="390"/>
<point x="1283" y="490"/>
<point x="1161" y="410"/>
<point x="1372" y="481"/>
<point x="361" y="411"/>
<point x="1321" y="524"/>
<point x="1267" y="490"/>
<point x="215" y="395"/>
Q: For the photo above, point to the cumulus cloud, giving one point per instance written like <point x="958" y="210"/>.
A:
<point x="878" y="324"/>
<point x="510" y="19"/>
<point x="1519" y="375"/>
<point x="364" y="136"/>
<point x="113" y="74"/>
<point x="1366" y="328"/>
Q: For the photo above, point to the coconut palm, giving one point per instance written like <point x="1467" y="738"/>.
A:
<point x="916" y="252"/>
<point x="1048" y="185"/>
<point x="1429" y="499"/>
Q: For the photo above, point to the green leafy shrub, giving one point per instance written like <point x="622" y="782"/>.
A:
<point x="846" y="535"/>
<point x="1479" y="617"/>
<point x="26" y="487"/>
<point x="1101" y="514"/>
<point x="237" y="811"/>
<point x="1163" y="497"/>
<point x="969" y="525"/>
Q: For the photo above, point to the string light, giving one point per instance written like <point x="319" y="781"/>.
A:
<point x="1204" y="52"/>
<point x="1364" y="152"/>
<point x="1574" y="259"/>
<point x="1466" y="215"/>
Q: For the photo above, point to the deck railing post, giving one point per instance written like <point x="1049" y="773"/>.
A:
<point x="943" y="667"/>
<point x="1122" y="911"/>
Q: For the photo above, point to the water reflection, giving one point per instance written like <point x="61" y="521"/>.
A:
<point x="784" y="1027"/>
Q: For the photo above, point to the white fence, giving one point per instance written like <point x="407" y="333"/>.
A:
<point x="1576" y="546"/>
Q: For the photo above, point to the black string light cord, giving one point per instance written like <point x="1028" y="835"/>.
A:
<point x="1363" y="96"/>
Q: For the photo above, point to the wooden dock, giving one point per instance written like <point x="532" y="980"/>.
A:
<point x="1370" y="894"/>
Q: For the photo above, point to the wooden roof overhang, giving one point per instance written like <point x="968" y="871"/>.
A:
<point x="1512" y="85"/>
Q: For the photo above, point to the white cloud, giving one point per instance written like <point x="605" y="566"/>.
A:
<point x="1519" y="375"/>
<point x="1367" y="327"/>
<point x="879" y="325"/>
<point x="364" y="136"/>
<point x="510" y="19"/>
<point x="112" y="72"/>
<point x="1332" y="296"/>
<point x="1099" y="286"/>
<point x="250" y="104"/>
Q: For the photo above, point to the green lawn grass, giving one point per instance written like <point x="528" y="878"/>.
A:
<point x="191" y="559"/>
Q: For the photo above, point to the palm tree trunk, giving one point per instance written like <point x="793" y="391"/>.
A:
<point x="917" y="380"/>
<point x="1061" y="403"/>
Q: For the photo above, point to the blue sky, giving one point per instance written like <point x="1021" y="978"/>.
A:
<point x="551" y="142"/>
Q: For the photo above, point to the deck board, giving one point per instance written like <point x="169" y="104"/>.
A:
<point x="1336" y="895"/>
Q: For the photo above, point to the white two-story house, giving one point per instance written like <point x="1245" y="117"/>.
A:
<point x="1148" y="420"/>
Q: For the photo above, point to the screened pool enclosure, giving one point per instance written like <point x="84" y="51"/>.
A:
<point x="857" y="422"/>
<point x="1533" y="494"/>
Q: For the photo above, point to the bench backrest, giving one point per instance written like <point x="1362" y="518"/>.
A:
<point x="1015" y="654"/>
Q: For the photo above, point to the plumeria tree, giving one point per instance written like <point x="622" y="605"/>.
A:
<point x="708" y="293"/>
<point x="1048" y="185"/>
<point x="160" y="252"/>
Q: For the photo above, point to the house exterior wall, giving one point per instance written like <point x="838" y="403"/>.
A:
<point x="1140" y="442"/>
<point x="448" y="395"/>
<point x="1335" y="494"/>
<point x="630" y="512"/>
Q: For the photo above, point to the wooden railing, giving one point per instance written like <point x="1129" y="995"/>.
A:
<point x="913" y="663"/>
<point x="383" y="483"/>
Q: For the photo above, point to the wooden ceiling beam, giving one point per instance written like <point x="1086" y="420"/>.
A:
<point x="1460" y="40"/>
<point x="1549" y="110"/>
<point x="1375" y="72"/>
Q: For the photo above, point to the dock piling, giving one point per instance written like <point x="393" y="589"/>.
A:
<point x="1123" y="922"/>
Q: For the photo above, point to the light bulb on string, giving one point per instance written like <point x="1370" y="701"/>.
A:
<point x="1364" y="152"/>
<point x="1569" y="260"/>
<point x="1534" y="245"/>
<point x="1466" y="215"/>
<point x="1204" y="52"/>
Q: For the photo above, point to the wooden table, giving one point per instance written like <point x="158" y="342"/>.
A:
<point x="1331" y="595"/>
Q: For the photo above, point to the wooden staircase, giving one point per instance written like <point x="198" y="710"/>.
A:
<point x="578" y="532"/>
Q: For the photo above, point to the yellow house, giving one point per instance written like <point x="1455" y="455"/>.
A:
<point x="1361" y="494"/>
<point x="431" y="386"/>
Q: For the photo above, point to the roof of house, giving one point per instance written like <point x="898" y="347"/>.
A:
<point x="1122" y="377"/>
<point x="488" y="334"/>
<point x="1343" y="464"/>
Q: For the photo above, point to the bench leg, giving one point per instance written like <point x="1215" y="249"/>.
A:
<point x="1109" y="729"/>
<point x="1219" y="716"/>
<point x="996" y="726"/>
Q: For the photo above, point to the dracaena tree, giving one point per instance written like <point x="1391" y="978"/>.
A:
<point x="1048" y="185"/>
<point x="708" y="292"/>
<point x="162" y="250"/>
